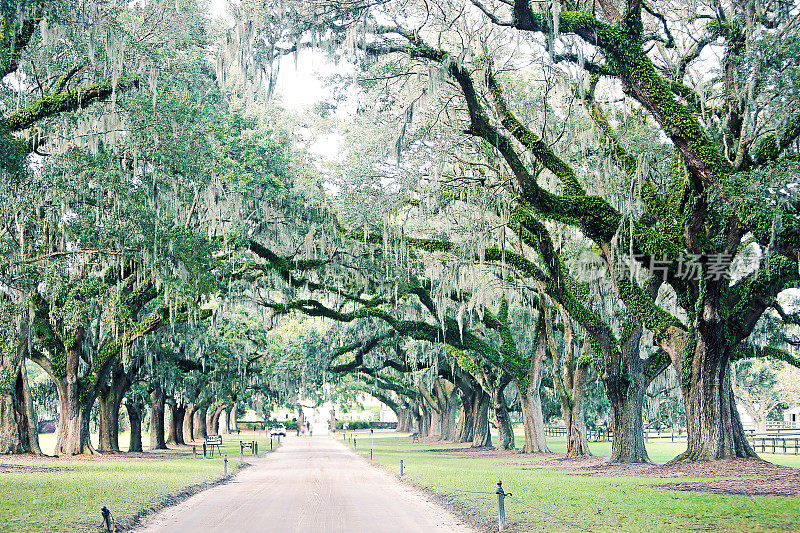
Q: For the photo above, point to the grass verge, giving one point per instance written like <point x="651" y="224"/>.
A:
<point x="560" y="500"/>
<point x="66" y="494"/>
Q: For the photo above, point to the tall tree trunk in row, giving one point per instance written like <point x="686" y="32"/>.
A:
<point x="232" y="427"/>
<point x="481" y="436"/>
<point x="178" y="415"/>
<point x="569" y="377"/>
<point x="466" y="420"/>
<point x="223" y="422"/>
<point x="135" y="412"/>
<point x="188" y="422"/>
<point x="505" y="432"/>
<point x="531" y="400"/>
<point x="74" y="410"/>
<point x="18" y="425"/>
<point x="424" y="423"/>
<point x="108" y="439"/>
<point x="170" y="406"/>
<point x="157" y="441"/>
<point x="713" y="427"/>
<point x="199" y="427"/>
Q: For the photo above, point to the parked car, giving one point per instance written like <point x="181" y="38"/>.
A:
<point x="279" y="430"/>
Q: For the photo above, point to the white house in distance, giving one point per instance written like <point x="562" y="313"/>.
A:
<point x="791" y="417"/>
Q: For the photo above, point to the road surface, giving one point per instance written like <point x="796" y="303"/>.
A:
<point x="310" y="485"/>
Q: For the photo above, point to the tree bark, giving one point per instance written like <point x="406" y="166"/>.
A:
<point x="530" y="398"/>
<point x="179" y="416"/>
<point x="232" y="427"/>
<point x="223" y="422"/>
<point x="481" y="436"/>
<point x="18" y="426"/>
<point x="199" y="430"/>
<point x="135" y="420"/>
<point x="108" y="439"/>
<point x="171" y="421"/>
<point x="713" y="427"/>
<point x="157" y="441"/>
<point x="505" y="432"/>
<point x="466" y="421"/>
<point x="188" y="422"/>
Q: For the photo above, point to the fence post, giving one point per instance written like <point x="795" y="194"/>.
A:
<point x="108" y="519"/>
<point x="255" y="448"/>
<point x="204" y="450"/>
<point x="226" y="465"/>
<point x="401" y="468"/>
<point x="501" y="506"/>
<point x="194" y="451"/>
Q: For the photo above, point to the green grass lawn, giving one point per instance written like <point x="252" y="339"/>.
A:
<point x="595" y="503"/>
<point x="70" y="499"/>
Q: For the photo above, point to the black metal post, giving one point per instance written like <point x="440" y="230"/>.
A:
<point x="401" y="468"/>
<point x="108" y="520"/>
<point x="194" y="451"/>
<point x="501" y="506"/>
<point x="226" y="465"/>
<point x="204" y="450"/>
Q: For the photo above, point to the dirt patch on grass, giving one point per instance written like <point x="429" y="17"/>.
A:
<point x="761" y="477"/>
<point x="788" y="485"/>
<point x="6" y="468"/>
<point x="723" y="468"/>
<point x="172" y="453"/>
<point x="558" y="460"/>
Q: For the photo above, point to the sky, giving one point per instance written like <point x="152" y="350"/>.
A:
<point x="297" y="87"/>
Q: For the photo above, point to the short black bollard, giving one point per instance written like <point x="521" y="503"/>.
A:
<point x="194" y="451"/>
<point x="108" y="520"/>
<point x="204" y="450"/>
<point x="501" y="506"/>
<point x="255" y="448"/>
<point x="354" y="442"/>
<point x="270" y="443"/>
<point x="401" y="468"/>
<point x="370" y="454"/>
<point x="226" y="465"/>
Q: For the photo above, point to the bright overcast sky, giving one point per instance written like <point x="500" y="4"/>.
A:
<point x="297" y="87"/>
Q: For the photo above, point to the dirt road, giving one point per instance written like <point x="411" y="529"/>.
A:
<point x="310" y="485"/>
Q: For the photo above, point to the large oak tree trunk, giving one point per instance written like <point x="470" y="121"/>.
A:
<point x="135" y="420"/>
<point x="18" y="425"/>
<point x="179" y="416"/>
<point x="450" y="416"/>
<point x="74" y="410"/>
<point x="223" y="422"/>
<point x="466" y="420"/>
<point x="199" y="429"/>
<point x="574" y="415"/>
<point x="626" y="383"/>
<point x="480" y="428"/>
<point x="188" y="423"/>
<point x="627" y="445"/>
<point x="157" y="441"/>
<point x="505" y="432"/>
<point x="232" y="427"/>
<point x="108" y="439"/>
<point x="171" y="421"/>
<point x="531" y="401"/>
<point x="713" y="427"/>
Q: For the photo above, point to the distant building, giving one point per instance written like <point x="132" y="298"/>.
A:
<point x="791" y="417"/>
